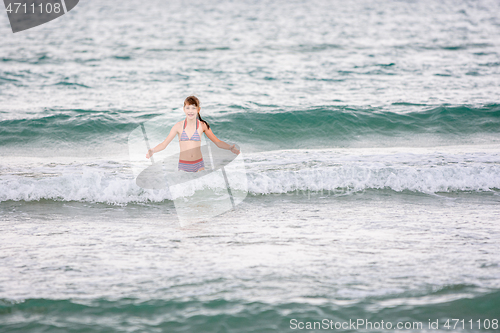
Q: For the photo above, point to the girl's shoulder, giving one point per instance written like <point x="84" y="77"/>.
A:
<point x="204" y="126"/>
<point x="177" y="128"/>
<point x="178" y="125"/>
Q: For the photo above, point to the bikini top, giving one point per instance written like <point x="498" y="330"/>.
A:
<point x="195" y="137"/>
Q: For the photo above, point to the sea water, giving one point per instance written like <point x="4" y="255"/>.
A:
<point x="370" y="134"/>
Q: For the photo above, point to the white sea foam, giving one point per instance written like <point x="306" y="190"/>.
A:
<point x="446" y="169"/>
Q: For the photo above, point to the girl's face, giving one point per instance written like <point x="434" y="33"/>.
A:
<point x="191" y="111"/>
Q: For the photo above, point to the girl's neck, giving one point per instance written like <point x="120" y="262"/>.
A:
<point x="191" y="121"/>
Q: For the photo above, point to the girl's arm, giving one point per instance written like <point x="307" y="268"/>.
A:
<point x="218" y="143"/>
<point x="164" y="144"/>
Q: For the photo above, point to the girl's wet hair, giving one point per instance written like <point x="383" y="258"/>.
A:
<point x="193" y="100"/>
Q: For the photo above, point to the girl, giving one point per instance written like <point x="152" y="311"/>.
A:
<point x="190" y="158"/>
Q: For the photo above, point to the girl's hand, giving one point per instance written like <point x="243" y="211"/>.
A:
<point x="234" y="150"/>
<point x="150" y="153"/>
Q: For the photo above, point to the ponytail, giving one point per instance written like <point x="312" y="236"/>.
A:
<point x="199" y="117"/>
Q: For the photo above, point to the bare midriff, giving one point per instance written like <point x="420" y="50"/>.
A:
<point x="190" y="150"/>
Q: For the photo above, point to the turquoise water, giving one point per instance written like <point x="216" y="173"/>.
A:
<point x="276" y="127"/>
<point x="370" y="133"/>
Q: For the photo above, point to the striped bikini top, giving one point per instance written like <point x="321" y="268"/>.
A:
<point x="195" y="137"/>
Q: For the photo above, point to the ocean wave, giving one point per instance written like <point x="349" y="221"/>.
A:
<point x="344" y="123"/>
<point x="327" y="172"/>
<point x="53" y="127"/>
<point x="209" y="315"/>
<point x="320" y="126"/>
<point x="360" y="178"/>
